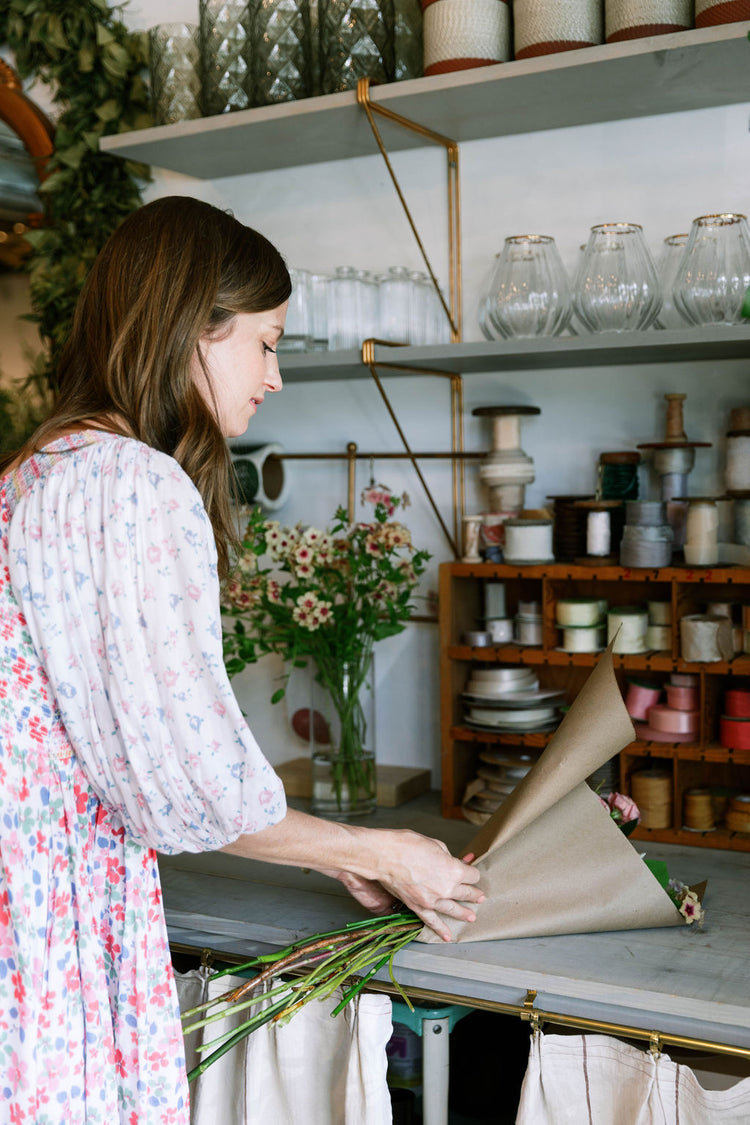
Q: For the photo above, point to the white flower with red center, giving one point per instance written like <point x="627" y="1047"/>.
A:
<point x="273" y="591"/>
<point x="323" y="613"/>
<point x="304" y="555"/>
<point x="691" y="909"/>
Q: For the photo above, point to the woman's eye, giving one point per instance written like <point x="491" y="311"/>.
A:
<point x="267" y="348"/>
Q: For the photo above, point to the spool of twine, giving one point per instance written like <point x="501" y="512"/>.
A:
<point x="543" y="27"/>
<point x="698" y="810"/>
<point x="705" y="639"/>
<point x="709" y="12"/>
<point x="463" y="34"/>
<point x="569" y="527"/>
<point x="652" y="792"/>
<point x="737" y="816"/>
<point x="618" y="475"/>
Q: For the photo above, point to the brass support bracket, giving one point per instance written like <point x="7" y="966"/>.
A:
<point x="457" y="432"/>
<point x="454" y="312"/>
<point x="529" y="1013"/>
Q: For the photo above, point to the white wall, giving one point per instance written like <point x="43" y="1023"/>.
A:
<point x="659" y="171"/>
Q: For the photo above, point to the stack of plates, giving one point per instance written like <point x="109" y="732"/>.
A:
<point x="509" y="699"/>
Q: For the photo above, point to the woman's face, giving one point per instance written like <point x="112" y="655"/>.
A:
<point x="242" y="366"/>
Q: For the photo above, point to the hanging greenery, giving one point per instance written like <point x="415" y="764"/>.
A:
<point x="95" y="68"/>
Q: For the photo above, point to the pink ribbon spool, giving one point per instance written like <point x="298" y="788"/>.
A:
<point x="684" y="679"/>
<point x="669" y="721"/>
<point x="639" y="698"/>
<point x="737" y="703"/>
<point x="682" y="698"/>
<point x="734" y="733"/>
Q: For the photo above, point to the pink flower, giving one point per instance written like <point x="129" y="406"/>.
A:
<point x="625" y="806"/>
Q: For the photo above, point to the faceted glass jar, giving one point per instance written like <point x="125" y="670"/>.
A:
<point x="175" y="71"/>
<point x="356" y="41"/>
<point x="225" y="30"/>
<point x="616" y="288"/>
<point x="714" y="274"/>
<point x="529" y="294"/>
<point x="281" y="51"/>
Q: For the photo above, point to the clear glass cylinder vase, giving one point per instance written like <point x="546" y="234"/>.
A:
<point x="344" y="782"/>
<point x="714" y="273"/>
<point x="616" y="288"/>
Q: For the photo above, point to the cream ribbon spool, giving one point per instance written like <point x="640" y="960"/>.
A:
<point x="529" y="630"/>
<point x="598" y="533"/>
<point x="652" y="792"/>
<point x="465" y="29"/>
<point x="526" y="541"/>
<point x="626" y="629"/>
<point x="698" y="810"/>
<point x="583" y="638"/>
<point x="737" y="469"/>
<point x="577" y="612"/>
<point x="622" y="15"/>
<point x="512" y="716"/>
<point x="494" y="599"/>
<point x="538" y="22"/>
<point x="702" y="529"/>
<point x="659" y="613"/>
<point x="659" y="638"/>
<point x="705" y="639"/>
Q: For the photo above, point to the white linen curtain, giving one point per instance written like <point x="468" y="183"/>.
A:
<point x="315" y="1070"/>
<point x="596" y="1080"/>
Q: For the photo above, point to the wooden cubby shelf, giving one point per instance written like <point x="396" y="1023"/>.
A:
<point x="703" y="762"/>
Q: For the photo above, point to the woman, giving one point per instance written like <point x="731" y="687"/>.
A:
<point x="121" y="736"/>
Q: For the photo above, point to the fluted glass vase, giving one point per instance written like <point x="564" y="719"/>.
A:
<point x="343" y="739"/>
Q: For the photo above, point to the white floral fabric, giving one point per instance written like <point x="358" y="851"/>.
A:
<point x="121" y="737"/>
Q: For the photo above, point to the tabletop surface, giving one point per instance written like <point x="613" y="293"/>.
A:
<point x="684" y="980"/>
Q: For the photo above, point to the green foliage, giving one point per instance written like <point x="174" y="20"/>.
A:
<point x="96" y="69"/>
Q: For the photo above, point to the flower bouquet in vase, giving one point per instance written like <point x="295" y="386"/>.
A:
<point x="323" y="599"/>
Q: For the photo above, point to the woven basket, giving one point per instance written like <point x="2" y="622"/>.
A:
<point x="543" y="27"/>
<point x="721" y="11"/>
<point x="461" y="34"/>
<point x="634" y="19"/>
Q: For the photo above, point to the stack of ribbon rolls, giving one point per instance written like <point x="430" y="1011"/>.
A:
<point x="677" y="720"/>
<point x="582" y="623"/>
<point x="734" y="723"/>
<point x="651" y="789"/>
<point x="462" y="34"/>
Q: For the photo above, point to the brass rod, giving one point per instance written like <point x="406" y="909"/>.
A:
<point x="390" y="456"/>
<point x="412" y="458"/>
<point x="351" y="453"/>
<point x="582" y="1023"/>
<point x="363" y="98"/>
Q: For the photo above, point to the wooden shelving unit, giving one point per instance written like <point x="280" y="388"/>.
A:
<point x="702" y="763"/>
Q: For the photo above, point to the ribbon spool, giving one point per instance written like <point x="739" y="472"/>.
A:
<point x="528" y="541"/>
<point x="583" y="638"/>
<point x="541" y="28"/>
<point x="639" y="697"/>
<point x="682" y="698"/>
<point x="659" y="613"/>
<point x="646" y="545"/>
<point x="737" y="817"/>
<point x="684" y="679"/>
<point x="709" y="12"/>
<point x="579" y="612"/>
<point x="705" y="639"/>
<point x="659" y="638"/>
<point x="476" y="638"/>
<point x="618" y="475"/>
<point x="569" y="527"/>
<point x="673" y="722"/>
<point x="674" y="456"/>
<point x="634" y="19"/>
<point x="737" y="703"/>
<point x="529" y="630"/>
<point x="494" y="599"/>
<point x="500" y="629"/>
<point x="652" y="792"/>
<point x="698" y="810"/>
<point x="734" y="733"/>
<point x="604" y="521"/>
<point x="702" y="532"/>
<point x="461" y="34"/>
<point x="626" y="629"/>
<point x="261" y="475"/>
<point x="741" y="531"/>
<point x="506" y="470"/>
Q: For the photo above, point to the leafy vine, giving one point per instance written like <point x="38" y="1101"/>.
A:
<point x="95" y="67"/>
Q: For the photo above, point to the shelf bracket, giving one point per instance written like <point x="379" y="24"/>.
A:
<point x="454" y="312"/>
<point x="457" y="432"/>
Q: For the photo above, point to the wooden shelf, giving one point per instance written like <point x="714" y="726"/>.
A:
<point x="665" y="74"/>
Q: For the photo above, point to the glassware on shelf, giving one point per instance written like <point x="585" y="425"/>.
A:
<point x="298" y="329"/>
<point x="395" y="306"/>
<point x="367" y="305"/>
<point x="281" y="51"/>
<point x="319" y="311"/>
<point x="356" y="40"/>
<point x="175" y="67"/>
<point x="616" y="287"/>
<point x="408" y="53"/>
<point x="420" y="304"/>
<point x="670" y="259"/>
<point x="529" y="292"/>
<point x="224" y="34"/>
<point x="714" y="273"/>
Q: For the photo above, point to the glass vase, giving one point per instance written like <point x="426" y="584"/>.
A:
<point x="616" y="288"/>
<point x="344" y="780"/>
<point x="529" y="293"/>
<point x="356" y="41"/>
<point x="714" y="273"/>
<point x="224" y="34"/>
<point x="673" y="251"/>
<point x="282" y="51"/>
<point x="175" y="72"/>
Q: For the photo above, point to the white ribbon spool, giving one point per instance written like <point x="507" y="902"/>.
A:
<point x="539" y="25"/>
<point x="527" y="541"/>
<point x="625" y="18"/>
<point x="272" y="489"/>
<point x="659" y="638"/>
<point x="701" y="534"/>
<point x="456" y="31"/>
<point x="583" y="638"/>
<point x="659" y="613"/>
<point x="742" y="522"/>
<point x="494" y="599"/>
<point x="598" y="533"/>
<point x="737" y="471"/>
<point x="705" y="639"/>
<point x="579" y="612"/>
<point x="627" y="627"/>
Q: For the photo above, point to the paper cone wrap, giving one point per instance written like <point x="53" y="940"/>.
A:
<point x="552" y="859"/>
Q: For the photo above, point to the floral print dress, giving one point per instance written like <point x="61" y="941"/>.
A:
<point x="121" y="737"/>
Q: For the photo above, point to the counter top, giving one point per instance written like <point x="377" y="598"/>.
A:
<point x="683" y="981"/>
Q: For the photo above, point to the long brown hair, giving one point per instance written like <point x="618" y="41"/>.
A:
<point x="174" y="271"/>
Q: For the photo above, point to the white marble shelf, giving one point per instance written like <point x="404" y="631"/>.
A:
<point x="675" y="981"/>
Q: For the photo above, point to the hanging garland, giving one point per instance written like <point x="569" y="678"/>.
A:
<point x="95" y="67"/>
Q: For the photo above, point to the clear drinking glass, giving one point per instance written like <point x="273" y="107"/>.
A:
<point x="224" y="34"/>
<point x="298" y="329"/>
<point x="367" y="306"/>
<point x="319" y="308"/>
<point x="616" y="287"/>
<point x="342" y="309"/>
<point x="670" y="259"/>
<point x="420" y="288"/>
<point x="715" y="272"/>
<point x="529" y="293"/>
<point x="395" y="298"/>
<point x="175" y="67"/>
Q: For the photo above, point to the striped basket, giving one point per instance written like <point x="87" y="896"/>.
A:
<point x="461" y="34"/>
<point x="721" y="11"/>
<point x="543" y="27"/>
<point x="634" y="19"/>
